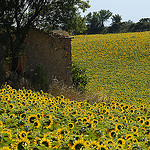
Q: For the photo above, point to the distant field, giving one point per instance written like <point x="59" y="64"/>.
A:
<point x="118" y="64"/>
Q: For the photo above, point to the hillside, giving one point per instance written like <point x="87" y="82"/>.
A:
<point x="117" y="64"/>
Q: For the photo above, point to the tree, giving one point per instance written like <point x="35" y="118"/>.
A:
<point x="144" y="20"/>
<point x="104" y="16"/>
<point x="17" y="17"/>
<point x="116" y="19"/>
<point x="116" y="24"/>
<point x="95" y="21"/>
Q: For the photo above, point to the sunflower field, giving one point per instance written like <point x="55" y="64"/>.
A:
<point x="118" y="64"/>
<point x="38" y="121"/>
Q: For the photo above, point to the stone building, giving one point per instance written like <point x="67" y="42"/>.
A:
<point x="51" y="51"/>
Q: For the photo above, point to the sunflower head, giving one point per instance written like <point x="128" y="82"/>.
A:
<point x="79" y="144"/>
<point x="46" y="142"/>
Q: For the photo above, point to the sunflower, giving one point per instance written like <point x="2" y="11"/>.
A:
<point x="70" y="125"/>
<point x="143" y="117"/>
<point x="113" y="107"/>
<point x="121" y="141"/>
<point x="113" y="134"/>
<point x="89" y="124"/>
<point x="131" y="110"/>
<point x="23" y="143"/>
<point x="49" y="122"/>
<point x="37" y="124"/>
<point x="12" y="116"/>
<point x="129" y="136"/>
<point x="1" y="124"/>
<point x="103" y="104"/>
<point x="62" y="97"/>
<point x="124" y="117"/>
<point x="142" y="122"/>
<point x="32" y="118"/>
<point x="95" y="104"/>
<point x="23" y="115"/>
<point x="79" y="121"/>
<point x="85" y="119"/>
<point x="119" y="126"/>
<point x="8" y="87"/>
<point x="39" y="116"/>
<point x="110" y="142"/>
<point x="79" y="144"/>
<point x="94" y="145"/>
<point x="147" y="123"/>
<point x="46" y="142"/>
<point x="119" y="147"/>
<point x="134" y="129"/>
<point x="11" y="106"/>
<point x="74" y="112"/>
<point x="37" y="141"/>
<point x="23" y="135"/>
<point x="94" y="123"/>
<point x="101" y="117"/>
<point x="138" y="118"/>
<point x="62" y="133"/>
<point x="147" y="143"/>
<point x="104" y="111"/>
<point x="103" y="147"/>
<point x="111" y="117"/>
<point x="135" y="140"/>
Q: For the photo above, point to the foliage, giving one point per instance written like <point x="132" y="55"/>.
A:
<point x="37" y="120"/>
<point x="129" y="26"/>
<point x="117" y="64"/>
<point x="18" y="16"/>
<point x="79" y="77"/>
<point x="95" y="21"/>
<point x="116" y="19"/>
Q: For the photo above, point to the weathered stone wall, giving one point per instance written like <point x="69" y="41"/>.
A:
<point x="52" y="52"/>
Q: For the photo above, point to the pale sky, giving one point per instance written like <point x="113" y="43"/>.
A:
<point x="128" y="9"/>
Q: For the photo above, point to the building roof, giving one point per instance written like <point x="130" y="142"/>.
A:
<point x="59" y="33"/>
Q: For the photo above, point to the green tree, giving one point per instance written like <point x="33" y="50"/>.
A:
<point x="95" y="21"/>
<point x="144" y="20"/>
<point x="17" y="17"/>
<point x="104" y="16"/>
<point x="116" y="19"/>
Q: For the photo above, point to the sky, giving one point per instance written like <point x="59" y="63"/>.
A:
<point x="132" y="10"/>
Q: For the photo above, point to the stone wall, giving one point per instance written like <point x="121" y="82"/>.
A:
<point x="52" y="52"/>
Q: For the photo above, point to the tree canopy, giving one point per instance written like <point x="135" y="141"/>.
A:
<point x="95" y="21"/>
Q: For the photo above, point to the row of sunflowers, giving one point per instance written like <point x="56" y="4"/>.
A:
<point x="38" y="121"/>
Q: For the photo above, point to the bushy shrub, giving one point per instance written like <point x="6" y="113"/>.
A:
<point x="79" y="77"/>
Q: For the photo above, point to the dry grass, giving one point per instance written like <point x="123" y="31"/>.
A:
<point x="57" y="88"/>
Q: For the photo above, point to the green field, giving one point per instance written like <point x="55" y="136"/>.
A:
<point x="118" y="64"/>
